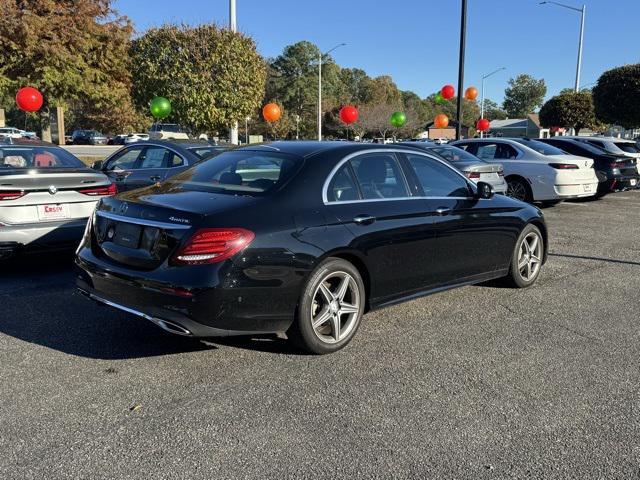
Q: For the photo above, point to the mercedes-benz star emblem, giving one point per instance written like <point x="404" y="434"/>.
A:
<point x="53" y="189"/>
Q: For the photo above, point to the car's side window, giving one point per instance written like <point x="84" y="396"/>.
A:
<point x="124" y="160"/>
<point x="379" y="176"/>
<point x="505" y="151"/>
<point x="487" y="151"/>
<point x="436" y="179"/>
<point x="342" y="186"/>
<point x="175" y="160"/>
<point x="154" y="157"/>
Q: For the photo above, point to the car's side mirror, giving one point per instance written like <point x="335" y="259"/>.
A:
<point x="97" y="165"/>
<point x="485" y="191"/>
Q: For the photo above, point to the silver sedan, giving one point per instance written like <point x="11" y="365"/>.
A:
<point x="473" y="168"/>
<point x="46" y="196"/>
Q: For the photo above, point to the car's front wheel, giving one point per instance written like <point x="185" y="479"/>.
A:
<point x="526" y="260"/>
<point x="517" y="188"/>
<point x="330" y="308"/>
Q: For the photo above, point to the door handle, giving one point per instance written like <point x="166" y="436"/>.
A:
<point x="155" y="178"/>
<point x="443" y="211"/>
<point x="364" y="219"/>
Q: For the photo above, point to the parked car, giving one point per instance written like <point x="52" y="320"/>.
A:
<point x="303" y="238"/>
<point x="614" y="172"/>
<point x="167" y="131"/>
<point x="46" y="196"/>
<point x="147" y="163"/>
<point x="117" y="139"/>
<point x="472" y="167"/>
<point x="615" y="146"/>
<point x="535" y="171"/>
<point x="12" y="132"/>
<point x="440" y="141"/>
<point x="136" y="137"/>
<point x="88" y="137"/>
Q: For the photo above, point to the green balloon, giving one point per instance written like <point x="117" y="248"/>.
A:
<point x="160" y="107"/>
<point x="398" y="119"/>
<point x="440" y="99"/>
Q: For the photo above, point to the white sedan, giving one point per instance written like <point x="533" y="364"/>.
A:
<point x="535" y="171"/>
<point x="136" y="137"/>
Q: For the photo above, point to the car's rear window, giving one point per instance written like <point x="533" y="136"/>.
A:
<point x="206" y="152"/>
<point x="24" y="156"/>
<point x="627" y="147"/>
<point x="454" y="154"/>
<point x="540" y="147"/>
<point x="239" y="172"/>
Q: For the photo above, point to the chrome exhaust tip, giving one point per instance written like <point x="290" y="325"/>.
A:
<point x="171" y="327"/>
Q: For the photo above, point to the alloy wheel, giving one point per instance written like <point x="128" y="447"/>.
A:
<point x="335" y="307"/>
<point x="530" y="256"/>
<point x="516" y="190"/>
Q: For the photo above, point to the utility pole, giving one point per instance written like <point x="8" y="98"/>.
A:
<point x="320" y="57"/>
<point x="463" y="37"/>
<point x="482" y="94"/>
<point x="233" y="132"/>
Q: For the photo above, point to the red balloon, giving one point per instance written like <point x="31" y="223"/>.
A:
<point x="349" y="114"/>
<point x="441" y="121"/>
<point x="29" y="99"/>
<point x="271" y="112"/>
<point x="471" y="93"/>
<point x="448" y="92"/>
<point x="482" y="125"/>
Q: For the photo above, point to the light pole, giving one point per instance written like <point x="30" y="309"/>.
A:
<point x="463" y="40"/>
<point x="297" y="127"/>
<point x="233" y="132"/>
<point x="320" y="57"/>
<point x="582" y="12"/>
<point x="482" y="92"/>
<point x="246" y="130"/>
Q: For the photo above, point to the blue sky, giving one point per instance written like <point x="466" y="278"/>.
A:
<point x="416" y="41"/>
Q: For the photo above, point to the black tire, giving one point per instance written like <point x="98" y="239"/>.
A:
<point x="519" y="189"/>
<point x="302" y="332"/>
<point x="516" y="278"/>
<point x="550" y="203"/>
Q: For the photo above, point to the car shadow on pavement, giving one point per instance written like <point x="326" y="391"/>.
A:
<point x="597" y="259"/>
<point x="41" y="306"/>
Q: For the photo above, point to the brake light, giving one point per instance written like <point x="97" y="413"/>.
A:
<point x="213" y="245"/>
<point x="11" y="194"/>
<point x="99" y="191"/>
<point x="564" y="166"/>
<point x="472" y="174"/>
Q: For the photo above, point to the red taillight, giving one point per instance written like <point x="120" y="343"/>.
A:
<point x="472" y="174"/>
<point x="99" y="191"/>
<point x="11" y="194"/>
<point x="212" y="245"/>
<point x="564" y="166"/>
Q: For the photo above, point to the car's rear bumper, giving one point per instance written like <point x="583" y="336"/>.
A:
<point x="576" y="190"/>
<point x="34" y="235"/>
<point x="205" y="308"/>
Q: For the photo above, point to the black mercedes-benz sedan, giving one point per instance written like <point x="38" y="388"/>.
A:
<point x="303" y="238"/>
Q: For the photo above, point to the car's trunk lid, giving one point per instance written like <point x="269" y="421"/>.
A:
<point x="142" y="229"/>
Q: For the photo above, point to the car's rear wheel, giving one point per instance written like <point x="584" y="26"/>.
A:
<point x="330" y="308"/>
<point x="526" y="260"/>
<point x="517" y="188"/>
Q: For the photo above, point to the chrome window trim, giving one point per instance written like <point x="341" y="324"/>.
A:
<point x="145" y="222"/>
<point x="338" y="166"/>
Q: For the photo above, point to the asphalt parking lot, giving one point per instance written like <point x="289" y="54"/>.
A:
<point x="479" y="382"/>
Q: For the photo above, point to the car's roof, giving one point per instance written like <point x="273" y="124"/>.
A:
<point x="606" y="139"/>
<point x="308" y="149"/>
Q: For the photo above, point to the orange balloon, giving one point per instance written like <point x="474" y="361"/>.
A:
<point x="471" y="93"/>
<point x="271" y="112"/>
<point x="441" y="121"/>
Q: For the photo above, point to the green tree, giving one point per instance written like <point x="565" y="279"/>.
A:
<point x="212" y="76"/>
<point x="492" y="110"/>
<point x="74" y="52"/>
<point x="570" y="110"/>
<point x="523" y="95"/>
<point x="616" y="96"/>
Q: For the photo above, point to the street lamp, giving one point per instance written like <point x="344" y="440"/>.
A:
<point x="482" y="92"/>
<point x="582" y="12"/>
<point x="320" y="57"/>
<point x="246" y="130"/>
<point x="233" y="132"/>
